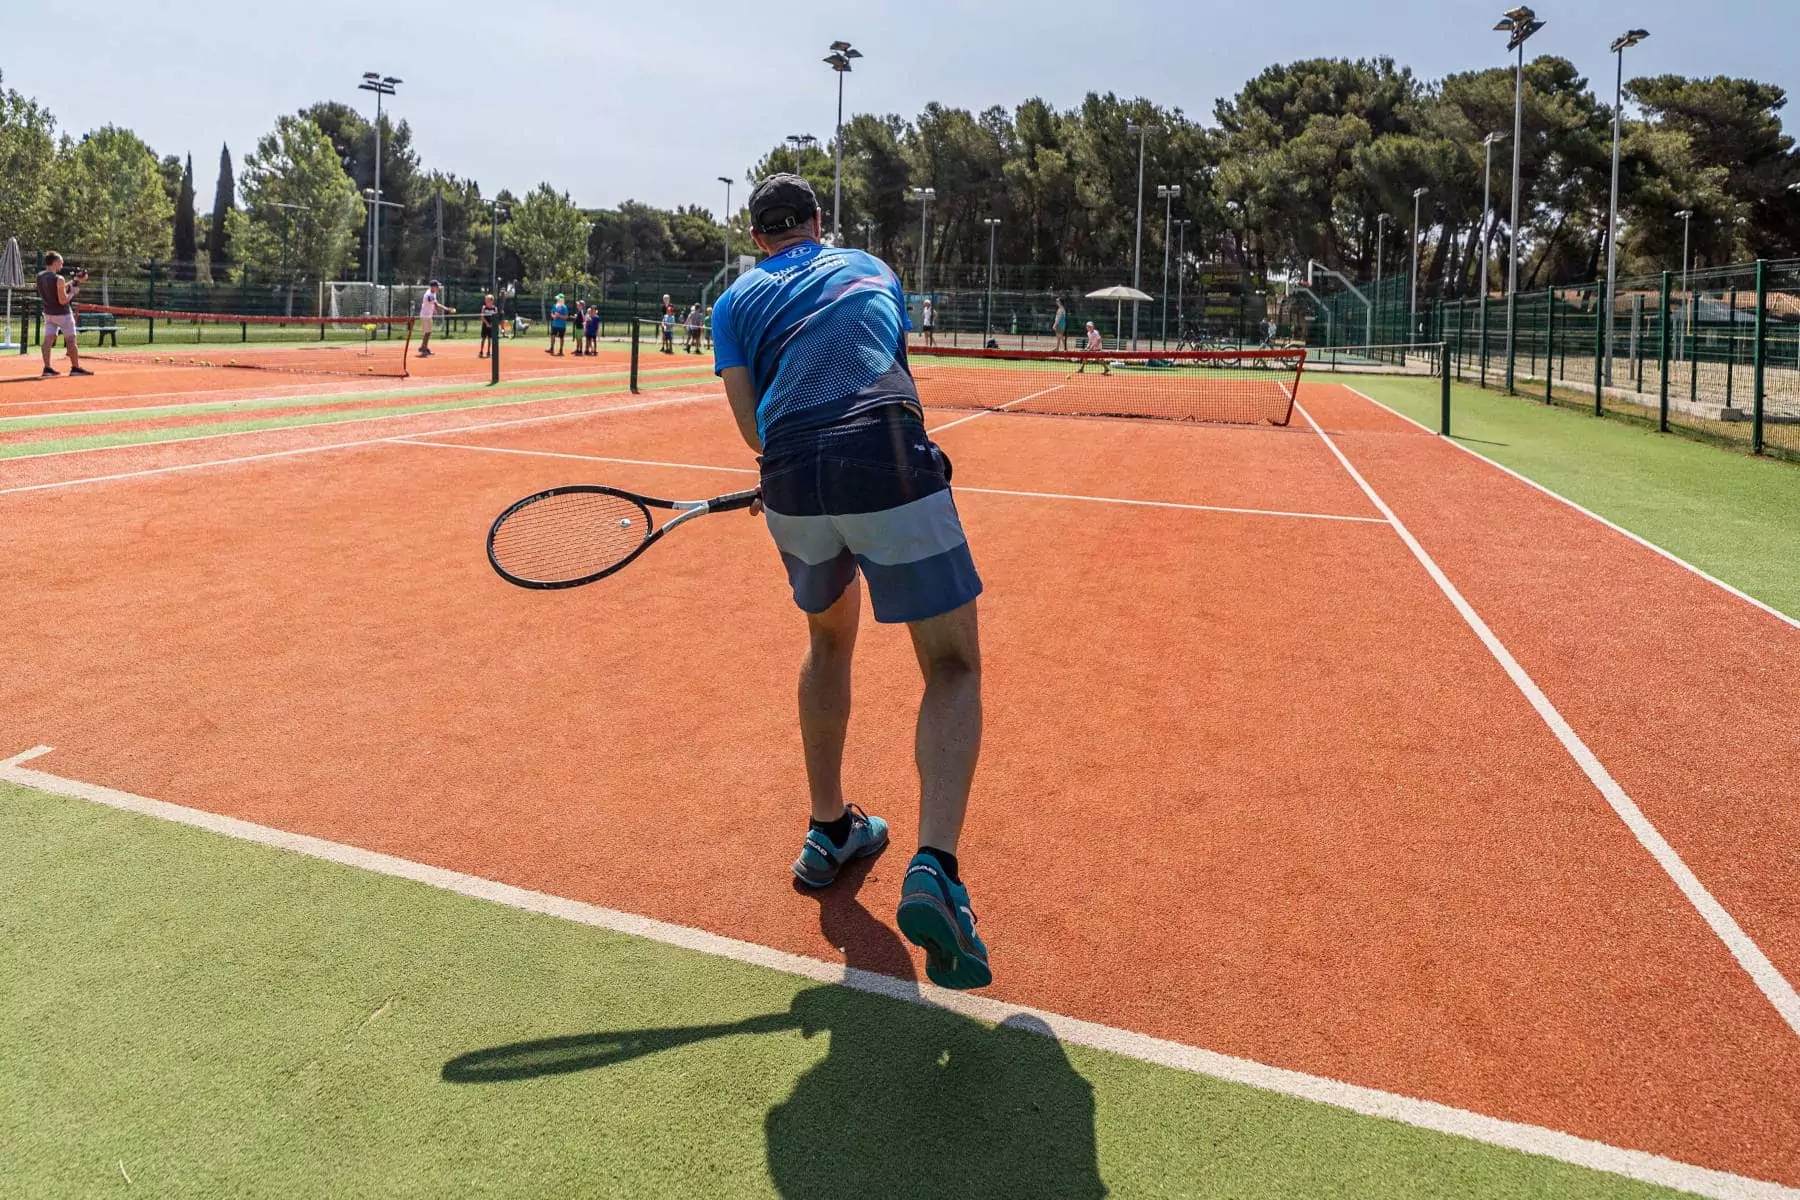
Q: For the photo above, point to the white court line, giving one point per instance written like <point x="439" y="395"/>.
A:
<point x="1586" y="512"/>
<point x="998" y="408"/>
<point x="645" y="462"/>
<point x="393" y="440"/>
<point x="1366" y="1101"/>
<point x="1779" y="992"/>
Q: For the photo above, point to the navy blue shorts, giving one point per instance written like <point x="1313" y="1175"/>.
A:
<point x="868" y="493"/>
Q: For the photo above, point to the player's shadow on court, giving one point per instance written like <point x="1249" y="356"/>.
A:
<point x="908" y="1102"/>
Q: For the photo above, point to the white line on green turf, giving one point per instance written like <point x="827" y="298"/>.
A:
<point x="1773" y="985"/>
<point x="1370" y="1102"/>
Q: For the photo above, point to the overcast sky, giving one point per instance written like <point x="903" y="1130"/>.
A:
<point x="653" y="101"/>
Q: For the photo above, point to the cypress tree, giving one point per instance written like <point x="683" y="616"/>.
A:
<point x="218" y="247"/>
<point x="185" y="249"/>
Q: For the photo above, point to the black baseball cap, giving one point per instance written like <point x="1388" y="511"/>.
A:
<point x="782" y="202"/>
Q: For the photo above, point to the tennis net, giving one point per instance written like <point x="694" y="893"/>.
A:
<point x="1248" y="387"/>
<point x="330" y="345"/>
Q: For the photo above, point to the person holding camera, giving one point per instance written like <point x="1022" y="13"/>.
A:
<point x="58" y="297"/>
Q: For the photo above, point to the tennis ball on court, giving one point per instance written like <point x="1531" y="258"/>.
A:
<point x="624" y="522"/>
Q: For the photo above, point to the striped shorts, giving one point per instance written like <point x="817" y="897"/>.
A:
<point x="868" y="494"/>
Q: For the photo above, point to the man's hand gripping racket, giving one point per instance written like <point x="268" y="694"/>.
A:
<point x="568" y="536"/>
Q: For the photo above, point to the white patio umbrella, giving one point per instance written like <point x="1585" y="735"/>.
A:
<point x="12" y="275"/>
<point x="1119" y="295"/>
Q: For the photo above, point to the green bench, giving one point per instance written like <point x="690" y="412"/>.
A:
<point x="102" y="325"/>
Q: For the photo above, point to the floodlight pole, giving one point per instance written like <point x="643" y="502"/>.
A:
<point x="1181" y="228"/>
<point x="726" y="180"/>
<point x="924" y="196"/>
<point x="1167" y="193"/>
<point x="1687" y="298"/>
<point x="1487" y="208"/>
<point x="839" y="61"/>
<point x="993" y="224"/>
<point x="494" y="207"/>
<point x="1412" y="312"/>
<point x="1619" y="46"/>
<point x="1137" y="253"/>
<point x="381" y="85"/>
<point x="1521" y="23"/>
<point x="1381" y="220"/>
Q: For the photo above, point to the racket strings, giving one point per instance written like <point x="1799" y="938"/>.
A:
<point x="570" y="536"/>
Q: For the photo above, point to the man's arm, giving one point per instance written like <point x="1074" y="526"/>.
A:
<point x="741" y="391"/>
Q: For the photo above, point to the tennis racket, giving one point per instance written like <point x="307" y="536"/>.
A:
<point x="569" y="536"/>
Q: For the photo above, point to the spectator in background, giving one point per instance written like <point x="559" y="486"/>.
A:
<point x="559" y="325"/>
<point x="928" y="321"/>
<point x="591" y="330"/>
<point x="1061" y="325"/>
<point x="693" y="330"/>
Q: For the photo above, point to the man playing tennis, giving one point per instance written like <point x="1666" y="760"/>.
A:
<point x="429" y="307"/>
<point x="811" y="345"/>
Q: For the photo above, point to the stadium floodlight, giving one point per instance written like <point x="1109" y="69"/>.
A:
<point x="1519" y="23"/>
<point x="1137" y="254"/>
<point x="924" y="196"/>
<point x="1167" y="194"/>
<point x="993" y="224"/>
<point x="1181" y="228"/>
<point x="839" y="61"/>
<point x="1619" y="46"/>
<point x="381" y="85"/>
<point x="801" y="141"/>
<point x="1686" y="217"/>
<point x="1487" y="208"/>
<point x="1413" y="306"/>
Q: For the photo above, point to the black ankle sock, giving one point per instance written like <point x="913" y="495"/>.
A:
<point x="945" y="860"/>
<point x="838" y="831"/>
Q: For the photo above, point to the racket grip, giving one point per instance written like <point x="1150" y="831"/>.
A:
<point x="734" y="500"/>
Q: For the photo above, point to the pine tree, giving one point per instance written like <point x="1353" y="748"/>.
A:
<point x="185" y="250"/>
<point x="218" y="246"/>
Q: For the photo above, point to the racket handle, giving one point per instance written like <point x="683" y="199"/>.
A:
<point x="732" y="501"/>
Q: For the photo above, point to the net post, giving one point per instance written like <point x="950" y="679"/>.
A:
<point x="636" y="331"/>
<point x="1760" y="352"/>
<point x="1662" y="355"/>
<point x="494" y="351"/>
<point x="1444" y="390"/>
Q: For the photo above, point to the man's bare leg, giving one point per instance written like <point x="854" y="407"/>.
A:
<point x="948" y="741"/>
<point x="825" y="699"/>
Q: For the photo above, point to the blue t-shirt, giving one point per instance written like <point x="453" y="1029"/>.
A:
<point x="559" y="315"/>
<point x="823" y="333"/>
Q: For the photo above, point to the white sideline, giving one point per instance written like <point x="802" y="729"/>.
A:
<point x="298" y="450"/>
<point x="1779" y="992"/>
<point x="1586" y="512"/>
<point x="1366" y="1101"/>
<point x="979" y="491"/>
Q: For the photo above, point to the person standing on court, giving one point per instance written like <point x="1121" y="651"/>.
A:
<point x="1061" y="325"/>
<point x="928" y="321"/>
<point x="559" y="325"/>
<point x="490" y="326"/>
<point x="811" y="344"/>
<point x="58" y="298"/>
<point x="429" y="307"/>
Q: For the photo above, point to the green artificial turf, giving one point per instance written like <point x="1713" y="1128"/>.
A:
<point x="214" y="1018"/>
<point x="1732" y="515"/>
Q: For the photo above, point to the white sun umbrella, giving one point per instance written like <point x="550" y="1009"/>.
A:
<point x="12" y="275"/>
<point x="1119" y="295"/>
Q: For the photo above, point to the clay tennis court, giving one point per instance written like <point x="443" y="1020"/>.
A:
<point x="1328" y="747"/>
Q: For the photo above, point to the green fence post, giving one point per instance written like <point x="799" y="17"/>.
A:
<point x="1662" y="354"/>
<point x="1444" y="391"/>
<point x="1549" y="343"/>
<point x="151" y="303"/>
<point x="1730" y="350"/>
<point x="1760" y="351"/>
